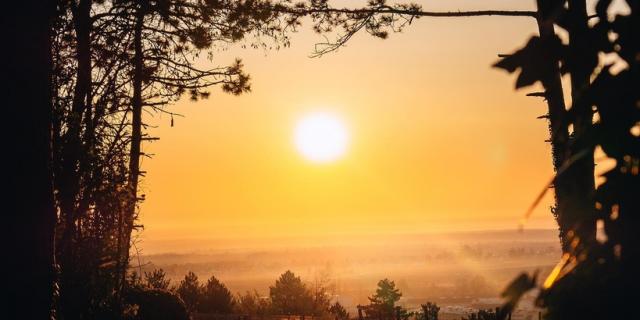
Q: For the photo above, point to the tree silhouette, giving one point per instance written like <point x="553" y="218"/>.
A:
<point x="575" y="185"/>
<point x="289" y="296"/>
<point x="189" y="291"/>
<point x="382" y="304"/>
<point x="338" y="311"/>
<point x="252" y="304"/>
<point x="114" y="60"/>
<point x="386" y="294"/>
<point x="157" y="279"/>
<point x="590" y="280"/>
<point x="429" y="311"/>
<point x="156" y="304"/>
<point x="216" y="298"/>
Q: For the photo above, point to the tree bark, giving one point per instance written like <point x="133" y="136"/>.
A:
<point x="581" y="184"/>
<point x="29" y="205"/>
<point x="558" y="131"/>
<point x="573" y="186"/>
<point x="136" y="141"/>
<point x="72" y="297"/>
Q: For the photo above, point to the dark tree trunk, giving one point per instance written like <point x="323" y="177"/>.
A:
<point x="573" y="187"/>
<point x="29" y="205"/>
<point x="580" y="214"/>
<point x="73" y="298"/>
<point x="136" y="141"/>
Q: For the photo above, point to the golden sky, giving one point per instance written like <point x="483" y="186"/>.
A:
<point x="439" y="140"/>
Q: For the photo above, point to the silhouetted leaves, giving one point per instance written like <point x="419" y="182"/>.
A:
<point x="514" y="291"/>
<point x="590" y="280"/>
<point x="216" y="298"/>
<point x="533" y="60"/>
<point x="428" y="311"/>
<point x="157" y="279"/>
<point x="155" y="304"/>
<point x="189" y="291"/>
<point x="338" y="311"/>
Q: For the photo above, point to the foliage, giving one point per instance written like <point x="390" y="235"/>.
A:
<point x="338" y="311"/>
<point x="483" y="315"/>
<point x="157" y="279"/>
<point x="189" y="291"/>
<point x="383" y="303"/>
<point x="252" y="304"/>
<point x="155" y="304"/>
<point x="532" y="59"/>
<point x="378" y="19"/>
<point x="216" y="298"/>
<point x="428" y="311"/>
<point x="289" y="296"/>
<point x="113" y="61"/>
<point x="386" y="294"/>
<point x="590" y="280"/>
<point x="134" y="280"/>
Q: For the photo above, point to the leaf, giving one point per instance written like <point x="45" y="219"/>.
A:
<point x="519" y="286"/>
<point x="514" y="291"/>
<point x="535" y="60"/>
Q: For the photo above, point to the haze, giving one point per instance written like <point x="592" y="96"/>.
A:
<point x="416" y="105"/>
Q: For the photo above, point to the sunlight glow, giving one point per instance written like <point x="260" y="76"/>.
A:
<point x="321" y="137"/>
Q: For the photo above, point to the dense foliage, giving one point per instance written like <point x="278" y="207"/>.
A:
<point x="594" y="276"/>
<point x="428" y="311"/>
<point x="290" y="296"/>
<point x="382" y="305"/>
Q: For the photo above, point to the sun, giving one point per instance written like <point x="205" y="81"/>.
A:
<point x="321" y="137"/>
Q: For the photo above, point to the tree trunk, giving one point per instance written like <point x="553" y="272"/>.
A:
<point x="29" y="203"/>
<point x="136" y="141"/>
<point x="574" y="186"/>
<point x="581" y="212"/>
<point x="72" y="298"/>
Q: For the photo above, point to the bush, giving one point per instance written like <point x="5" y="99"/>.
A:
<point x="155" y="304"/>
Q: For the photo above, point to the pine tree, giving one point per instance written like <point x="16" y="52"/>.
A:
<point x="189" y="291"/>
<point x="216" y="298"/>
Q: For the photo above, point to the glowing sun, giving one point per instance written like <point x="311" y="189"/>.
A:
<point x="321" y="137"/>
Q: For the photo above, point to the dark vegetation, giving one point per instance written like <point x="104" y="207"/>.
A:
<point x="484" y="315"/>
<point x="81" y="74"/>
<point x="289" y="296"/>
<point x="422" y="269"/>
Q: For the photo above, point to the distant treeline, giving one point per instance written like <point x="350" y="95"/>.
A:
<point x="288" y="297"/>
<point x="153" y="297"/>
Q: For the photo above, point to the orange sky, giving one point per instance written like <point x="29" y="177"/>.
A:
<point x="438" y="140"/>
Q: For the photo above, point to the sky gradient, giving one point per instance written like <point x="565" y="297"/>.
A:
<point x="439" y="141"/>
